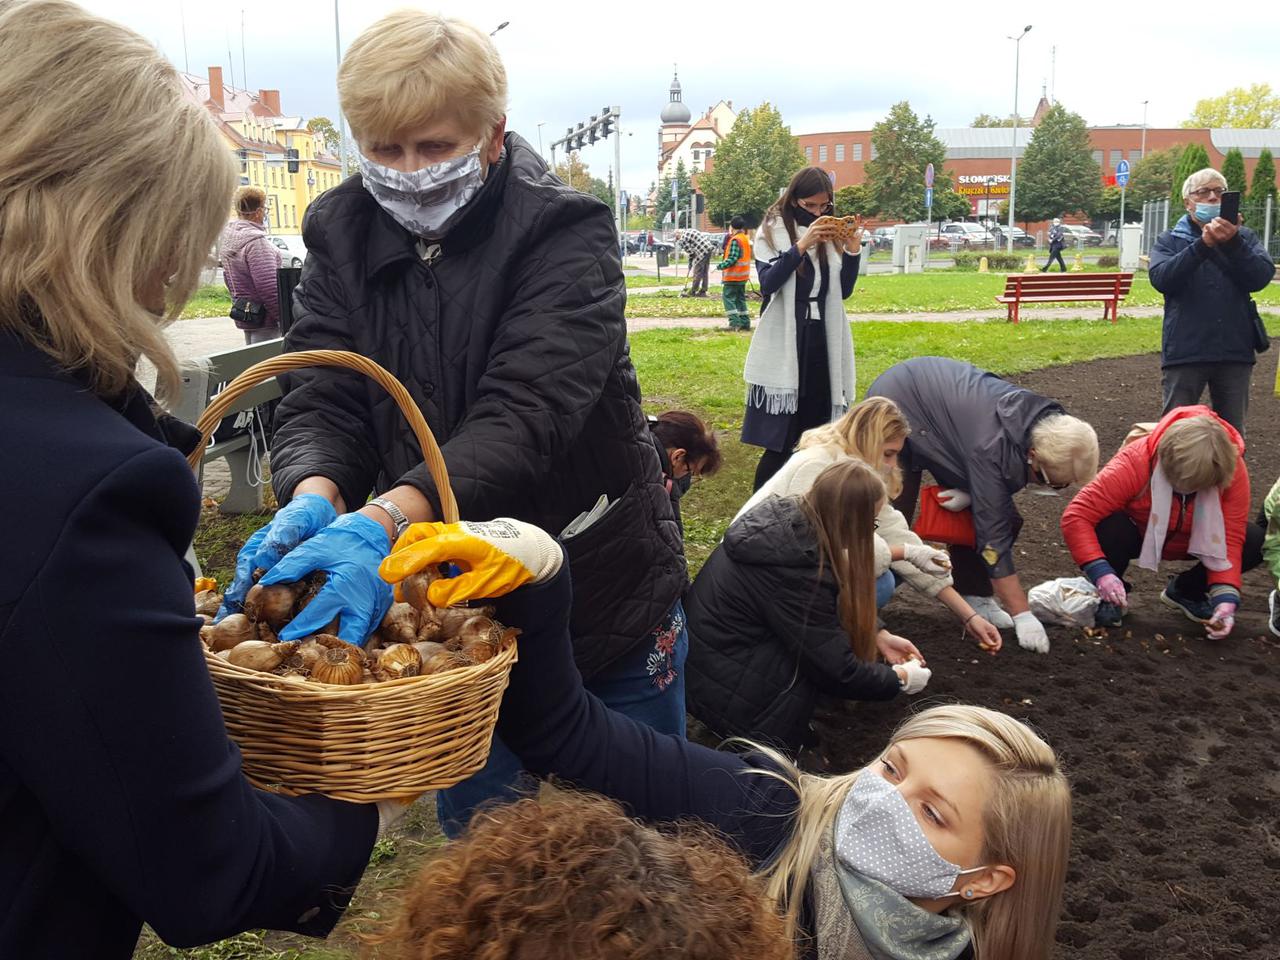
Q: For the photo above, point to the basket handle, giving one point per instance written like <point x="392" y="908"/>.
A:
<point x="267" y="369"/>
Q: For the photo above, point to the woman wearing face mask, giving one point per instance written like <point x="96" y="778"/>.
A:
<point x="785" y="609"/>
<point x="983" y="439"/>
<point x="1178" y="492"/>
<point x="799" y="368"/>
<point x="494" y="293"/>
<point x="951" y="844"/>
<point x="687" y="448"/>
<point x="874" y="431"/>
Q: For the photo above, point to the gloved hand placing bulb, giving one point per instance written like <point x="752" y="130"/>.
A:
<point x="954" y="500"/>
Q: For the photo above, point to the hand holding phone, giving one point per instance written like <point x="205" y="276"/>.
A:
<point x="1230" y="210"/>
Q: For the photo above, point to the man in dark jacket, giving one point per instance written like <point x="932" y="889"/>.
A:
<point x="1057" y="238"/>
<point x="494" y="293"/>
<point x="984" y="439"/>
<point x="1207" y="268"/>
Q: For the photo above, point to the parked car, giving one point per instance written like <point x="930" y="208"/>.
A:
<point x="1079" y="234"/>
<point x="292" y="250"/>
<point x="961" y="233"/>
<point x="1020" y="237"/>
<point x="884" y="236"/>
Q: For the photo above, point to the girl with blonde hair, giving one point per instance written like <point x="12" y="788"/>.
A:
<point x="784" y="609"/>
<point x="874" y="431"/>
<point x="952" y="843"/>
<point x="122" y="797"/>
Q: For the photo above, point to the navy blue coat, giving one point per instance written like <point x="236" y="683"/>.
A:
<point x="1207" y="316"/>
<point x="121" y="797"/>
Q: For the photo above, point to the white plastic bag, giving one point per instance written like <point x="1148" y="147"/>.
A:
<point x="1069" y="601"/>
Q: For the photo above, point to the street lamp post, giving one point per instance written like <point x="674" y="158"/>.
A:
<point x="1144" y="130"/>
<point x="342" y="120"/>
<point x="1013" y="153"/>
<point x="500" y="26"/>
<point x="541" y="124"/>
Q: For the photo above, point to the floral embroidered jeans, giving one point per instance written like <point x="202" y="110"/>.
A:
<point x="647" y="685"/>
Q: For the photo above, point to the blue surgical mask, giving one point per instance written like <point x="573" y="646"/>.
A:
<point x="1206" y="212"/>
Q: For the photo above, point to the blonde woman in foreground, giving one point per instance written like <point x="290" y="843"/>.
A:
<point x="951" y="843"/>
<point x="874" y="431"/>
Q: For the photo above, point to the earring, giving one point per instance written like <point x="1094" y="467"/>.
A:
<point x="968" y="894"/>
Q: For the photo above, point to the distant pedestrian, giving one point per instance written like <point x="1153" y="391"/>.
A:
<point x="249" y="265"/>
<point x="648" y="243"/>
<point x="735" y="271"/>
<point x="1057" y="239"/>
<point x="1207" y="268"/>
<point x="699" y="246"/>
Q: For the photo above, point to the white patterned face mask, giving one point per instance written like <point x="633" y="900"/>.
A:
<point x="878" y="836"/>
<point x="425" y="202"/>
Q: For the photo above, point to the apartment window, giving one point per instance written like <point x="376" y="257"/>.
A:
<point x="697" y="155"/>
<point x="822" y="153"/>
<point x="1116" y="157"/>
<point x="839" y="153"/>
<point x="873" y="151"/>
<point x="857" y="151"/>
<point x="808" y="154"/>
<point x="1097" y="157"/>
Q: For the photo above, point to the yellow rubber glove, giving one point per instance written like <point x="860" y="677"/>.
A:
<point x="495" y="558"/>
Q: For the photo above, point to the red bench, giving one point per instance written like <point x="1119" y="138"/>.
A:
<point x="1110" y="288"/>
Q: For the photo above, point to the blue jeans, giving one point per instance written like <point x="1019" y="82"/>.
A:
<point x="647" y="684"/>
<point x="886" y="583"/>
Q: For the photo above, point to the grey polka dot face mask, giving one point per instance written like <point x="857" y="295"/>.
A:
<point x="425" y="201"/>
<point x="878" y="836"/>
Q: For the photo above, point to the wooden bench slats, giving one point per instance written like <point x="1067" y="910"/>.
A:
<point x="1110" y="288"/>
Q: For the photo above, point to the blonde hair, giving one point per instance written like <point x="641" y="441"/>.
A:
<point x="413" y="67"/>
<point x="105" y="197"/>
<point x="1026" y="824"/>
<point x="1066" y="448"/>
<point x="1199" y="179"/>
<point x="249" y="200"/>
<point x="862" y="432"/>
<point x="841" y="508"/>
<point x="1196" y="453"/>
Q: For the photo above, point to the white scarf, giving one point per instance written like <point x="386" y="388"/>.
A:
<point x="1208" y="532"/>
<point x="772" y="370"/>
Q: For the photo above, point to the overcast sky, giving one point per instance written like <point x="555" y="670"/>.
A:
<point x="831" y="66"/>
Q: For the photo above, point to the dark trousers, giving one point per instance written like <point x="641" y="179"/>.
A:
<point x="1121" y="541"/>
<point x="1055" y="253"/>
<point x="698" y="271"/>
<point x="1228" y="385"/>
<point x="969" y="572"/>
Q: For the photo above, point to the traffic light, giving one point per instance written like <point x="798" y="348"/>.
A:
<point x="291" y="155"/>
<point x="606" y="127"/>
<point x="592" y="134"/>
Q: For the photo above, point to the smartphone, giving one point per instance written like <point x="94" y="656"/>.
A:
<point x="1230" y="206"/>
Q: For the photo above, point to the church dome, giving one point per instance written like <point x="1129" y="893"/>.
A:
<point x="675" y="111"/>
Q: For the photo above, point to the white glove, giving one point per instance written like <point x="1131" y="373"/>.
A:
<point x="913" y="676"/>
<point x="936" y="563"/>
<point x="1031" y="635"/>
<point x="954" y="500"/>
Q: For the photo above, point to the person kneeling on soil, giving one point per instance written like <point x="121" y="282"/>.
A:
<point x="984" y="439"/>
<point x="1270" y="519"/>
<point x="952" y="842"/>
<point x="873" y="431"/>
<point x="784" y="609"/>
<point x="1180" y="491"/>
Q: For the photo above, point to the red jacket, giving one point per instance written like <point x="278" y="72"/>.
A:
<point x="1124" y="485"/>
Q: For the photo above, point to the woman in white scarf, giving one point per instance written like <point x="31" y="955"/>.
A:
<point x="799" y="368"/>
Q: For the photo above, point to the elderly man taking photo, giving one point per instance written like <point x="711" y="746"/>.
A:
<point x="494" y="293"/>
<point x="1207" y="267"/>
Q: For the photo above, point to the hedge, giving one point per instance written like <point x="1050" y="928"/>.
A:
<point x="995" y="261"/>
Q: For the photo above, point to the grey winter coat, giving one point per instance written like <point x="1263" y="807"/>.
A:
<point x="1207" y="314"/>
<point x="972" y="431"/>
<point x="249" y="264"/>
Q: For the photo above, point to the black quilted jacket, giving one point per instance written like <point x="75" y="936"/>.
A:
<point x="509" y="335"/>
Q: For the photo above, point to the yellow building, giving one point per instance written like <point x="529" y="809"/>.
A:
<point x="260" y="137"/>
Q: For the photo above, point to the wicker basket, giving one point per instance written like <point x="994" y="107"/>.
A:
<point x="370" y="741"/>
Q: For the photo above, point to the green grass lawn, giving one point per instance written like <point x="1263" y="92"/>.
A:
<point x="211" y="300"/>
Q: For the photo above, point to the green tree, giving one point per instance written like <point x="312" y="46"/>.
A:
<point x="1194" y="157"/>
<point x="854" y="201"/>
<point x="576" y="174"/>
<point x="324" y="126"/>
<point x="903" y="145"/>
<point x="752" y="164"/>
<point x="1255" y="108"/>
<point x="987" y="120"/>
<point x="1264" y="180"/>
<point x="1058" y="174"/>
<point x="1233" y="171"/>
<point x="1151" y="176"/>
<point x="949" y="205"/>
<point x="684" y="190"/>
<point x="1109" y="205"/>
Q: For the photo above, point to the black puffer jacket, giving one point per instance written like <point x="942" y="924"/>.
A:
<point x="972" y="431"/>
<point x="764" y="632"/>
<point x="509" y="335"/>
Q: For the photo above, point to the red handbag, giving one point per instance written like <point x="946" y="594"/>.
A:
<point x="940" y="525"/>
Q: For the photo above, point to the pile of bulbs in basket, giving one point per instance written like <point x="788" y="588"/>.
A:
<point x="414" y="638"/>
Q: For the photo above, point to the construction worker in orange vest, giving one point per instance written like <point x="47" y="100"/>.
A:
<point x="736" y="270"/>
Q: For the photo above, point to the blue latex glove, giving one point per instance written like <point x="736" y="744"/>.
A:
<point x="301" y="518"/>
<point x="349" y="550"/>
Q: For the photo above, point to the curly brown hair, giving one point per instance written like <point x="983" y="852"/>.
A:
<point x="569" y="875"/>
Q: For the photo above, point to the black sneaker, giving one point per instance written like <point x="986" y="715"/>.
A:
<point x="1273" y="621"/>
<point x="1199" y="610"/>
<point x="1107" y="615"/>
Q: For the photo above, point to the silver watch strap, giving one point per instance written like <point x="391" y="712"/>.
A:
<point x="395" y="513"/>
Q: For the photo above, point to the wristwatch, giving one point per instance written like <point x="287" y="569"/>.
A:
<point x="395" y="513"/>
